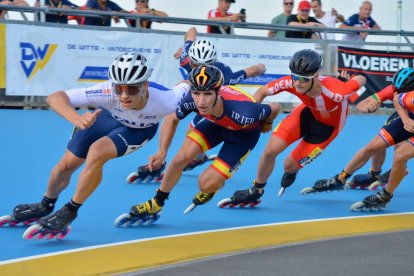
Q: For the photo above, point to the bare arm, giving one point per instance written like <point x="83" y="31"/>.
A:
<point x="261" y="93"/>
<point x="407" y="121"/>
<point x="268" y="123"/>
<point x="60" y="103"/>
<point x="255" y="70"/>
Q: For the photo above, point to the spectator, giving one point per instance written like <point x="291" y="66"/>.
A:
<point x="102" y="5"/>
<point x="3" y="12"/>
<point x="142" y="7"/>
<point x="221" y="14"/>
<point x="61" y="4"/>
<point x="358" y="21"/>
<point x="329" y="19"/>
<point x="281" y="19"/>
<point x="303" y="19"/>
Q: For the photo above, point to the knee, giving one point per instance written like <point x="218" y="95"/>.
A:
<point x="270" y="152"/>
<point x="209" y="184"/>
<point x="96" y="157"/>
<point x="400" y="158"/>
<point x="181" y="159"/>
<point x="371" y="150"/>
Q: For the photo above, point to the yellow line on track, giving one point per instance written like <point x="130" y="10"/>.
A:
<point x="137" y="255"/>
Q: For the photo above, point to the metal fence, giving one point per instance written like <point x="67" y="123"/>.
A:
<point x="327" y="47"/>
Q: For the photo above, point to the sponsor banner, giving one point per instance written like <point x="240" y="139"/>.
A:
<point x="377" y="66"/>
<point x="2" y="56"/>
<point x="41" y="60"/>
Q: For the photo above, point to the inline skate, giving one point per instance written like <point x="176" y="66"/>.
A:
<point x="325" y="185"/>
<point x="54" y="225"/>
<point x="376" y="202"/>
<point x="148" y="211"/>
<point x="26" y="214"/>
<point x="249" y="197"/>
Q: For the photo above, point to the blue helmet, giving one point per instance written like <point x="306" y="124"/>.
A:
<point x="403" y="80"/>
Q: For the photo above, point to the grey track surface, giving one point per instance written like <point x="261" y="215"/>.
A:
<point x="377" y="254"/>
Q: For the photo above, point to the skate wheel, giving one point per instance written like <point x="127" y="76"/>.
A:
<point x="307" y="190"/>
<point x="189" y="208"/>
<point x="255" y="203"/>
<point x="63" y="234"/>
<point x="374" y="186"/>
<point x="32" y="232"/>
<point x="121" y="220"/>
<point x="5" y="219"/>
<point x="132" y="178"/>
<point x="50" y="235"/>
<point x="357" y="207"/>
<point x="224" y="202"/>
<point x="153" y="218"/>
<point x="211" y="157"/>
<point x="281" y="191"/>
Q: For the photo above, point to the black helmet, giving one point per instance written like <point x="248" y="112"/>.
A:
<point x="205" y="77"/>
<point x="305" y="63"/>
<point x="403" y="80"/>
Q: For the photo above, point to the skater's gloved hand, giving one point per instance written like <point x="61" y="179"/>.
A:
<point x="343" y="76"/>
<point x="267" y="126"/>
<point x="368" y="105"/>
<point x="408" y="124"/>
<point x="157" y="160"/>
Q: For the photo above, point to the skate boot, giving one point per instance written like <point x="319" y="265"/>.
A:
<point x="382" y="181"/>
<point x="144" y="175"/>
<point x="324" y="185"/>
<point x="287" y="180"/>
<point x="375" y="202"/>
<point x="56" y="225"/>
<point x="242" y="198"/>
<point x="199" y="199"/>
<point x="363" y="181"/>
<point x="26" y="214"/>
<point x="148" y="211"/>
<point x="199" y="161"/>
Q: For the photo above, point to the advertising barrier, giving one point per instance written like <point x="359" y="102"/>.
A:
<point x="41" y="60"/>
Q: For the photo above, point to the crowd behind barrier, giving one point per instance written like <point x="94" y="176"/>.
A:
<point x="327" y="47"/>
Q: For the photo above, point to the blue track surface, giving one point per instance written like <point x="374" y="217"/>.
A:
<point x="33" y="141"/>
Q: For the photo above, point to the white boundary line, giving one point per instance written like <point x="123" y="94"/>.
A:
<point x="190" y="233"/>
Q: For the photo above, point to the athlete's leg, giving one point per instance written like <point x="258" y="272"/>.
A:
<point x="363" y="155"/>
<point x="61" y="174"/>
<point x="188" y="151"/>
<point x="377" y="160"/>
<point x="99" y="153"/>
<point x="267" y="161"/>
<point x="403" y="153"/>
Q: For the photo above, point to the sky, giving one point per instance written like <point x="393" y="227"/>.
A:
<point x="385" y="12"/>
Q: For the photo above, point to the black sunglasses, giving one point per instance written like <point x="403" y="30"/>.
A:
<point x="288" y="3"/>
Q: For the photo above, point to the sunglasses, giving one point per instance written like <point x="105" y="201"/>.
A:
<point x="301" y="79"/>
<point x="129" y="90"/>
<point x="288" y="3"/>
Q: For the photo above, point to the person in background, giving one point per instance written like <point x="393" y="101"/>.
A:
<point x="360" y="21"/>
<point x="142" y="7"/>
<point x="303" y="19"/>
<point x="221" y="13"/>
<point x="3" y="12"/>
<point x="329" y="19"/>
<point x="61" y="4"/>
<point x="281" y="19"/>
<point x="102" y="5"/>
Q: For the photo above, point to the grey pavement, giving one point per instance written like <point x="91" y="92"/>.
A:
<point x="377" y="254"/>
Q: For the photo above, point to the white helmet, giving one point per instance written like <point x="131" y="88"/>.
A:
<point x="129" y="68"/>
<point x="202" y="52"/>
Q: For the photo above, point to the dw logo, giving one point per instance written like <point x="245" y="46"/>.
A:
<point x="33" y="59"/>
